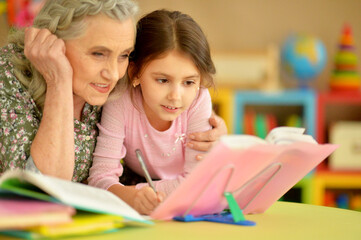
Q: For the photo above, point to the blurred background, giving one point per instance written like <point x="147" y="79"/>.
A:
<point x="233" y="25"/>
<point x="279" y="62"/>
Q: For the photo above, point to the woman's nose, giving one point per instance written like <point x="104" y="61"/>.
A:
<point x="113" y="71"/>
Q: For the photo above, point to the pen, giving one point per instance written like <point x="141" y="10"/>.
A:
<point x="145" y="170"/>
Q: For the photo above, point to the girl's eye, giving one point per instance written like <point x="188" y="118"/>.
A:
<point x="162" y="80"/>
<point x="189" y="82"/>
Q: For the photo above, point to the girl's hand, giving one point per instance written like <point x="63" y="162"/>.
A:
<point x="146" y="200"/>
<point x="47" y="53"/>
<point x="204" y="141"/>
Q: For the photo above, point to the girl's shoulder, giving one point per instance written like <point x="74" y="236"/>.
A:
<point x="204" y="94"/>
<point x="203" y="98"/>
<point x="123" y="103"/>
<point x="117" y="98"/>
<point x="201" y="106"/>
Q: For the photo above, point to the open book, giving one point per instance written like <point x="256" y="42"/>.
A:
<point x="257" y="172"/>
<point x="77" y="195"/>
<point x="278" y="135"/>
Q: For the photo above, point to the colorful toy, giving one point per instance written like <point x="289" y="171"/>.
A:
<point x="303" y="57"/>
<point x="345" y="75"/>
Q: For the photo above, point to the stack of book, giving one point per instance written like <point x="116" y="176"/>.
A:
<point x="34" y="206"/>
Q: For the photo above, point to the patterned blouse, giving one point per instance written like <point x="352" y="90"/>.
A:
<point x="20" y="119"/>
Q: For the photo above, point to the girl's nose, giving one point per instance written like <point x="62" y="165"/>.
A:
<point x="175" y="93"/>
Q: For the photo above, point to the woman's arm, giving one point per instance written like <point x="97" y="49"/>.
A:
<point x="53" y="146"/>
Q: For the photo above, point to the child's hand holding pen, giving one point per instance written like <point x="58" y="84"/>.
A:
<point x="147" y="198"/>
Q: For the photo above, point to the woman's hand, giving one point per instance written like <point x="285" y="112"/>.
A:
<point x="204" y="141"/>
<point x="47" y="53"/>
<point x="146" y="200"/>
<point x="53" y="146"/>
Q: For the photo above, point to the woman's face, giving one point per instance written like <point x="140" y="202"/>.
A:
<point x="99" y="58"/>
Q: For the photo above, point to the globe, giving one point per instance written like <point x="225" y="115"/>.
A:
<point x="303" y="57"/>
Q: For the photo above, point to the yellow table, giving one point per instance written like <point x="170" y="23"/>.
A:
<point x="283" y="220"/>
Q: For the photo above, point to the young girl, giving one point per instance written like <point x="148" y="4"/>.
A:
<point x="166" y="98"/>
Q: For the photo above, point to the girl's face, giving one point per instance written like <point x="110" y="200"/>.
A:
<point x="169" y="85"/>
<point x="99" y="58"/>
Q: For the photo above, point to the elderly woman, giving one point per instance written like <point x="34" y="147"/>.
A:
<point x="55" y="76"/>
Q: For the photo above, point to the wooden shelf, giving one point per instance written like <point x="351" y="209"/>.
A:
<point x="222" y="99"/>
<point x="333" y="107"/>
<point x="318" y="111"/>
<point x="333" y="180"/>
<point x="328" y="102"/>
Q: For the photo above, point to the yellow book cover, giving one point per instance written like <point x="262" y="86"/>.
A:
<point x="83" y="223"/>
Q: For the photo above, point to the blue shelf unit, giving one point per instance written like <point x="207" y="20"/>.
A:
<point x="304" y="98"/>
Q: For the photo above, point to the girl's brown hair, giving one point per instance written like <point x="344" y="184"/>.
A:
<point x="162" y="31"/>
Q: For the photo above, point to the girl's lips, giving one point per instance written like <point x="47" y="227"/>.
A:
<point x="102" y="88"/>
<point x="170" y="110"/>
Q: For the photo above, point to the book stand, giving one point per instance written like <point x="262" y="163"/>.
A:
<point x="234" y="215"/>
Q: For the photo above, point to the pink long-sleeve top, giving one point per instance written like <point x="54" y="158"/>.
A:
<point x="124" y="128"/>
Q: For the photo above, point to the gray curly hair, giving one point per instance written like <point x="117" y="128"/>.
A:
<point x="65" y="19"/>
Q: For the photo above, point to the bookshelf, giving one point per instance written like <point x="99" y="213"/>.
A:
<point x="222" y="100"/>
<point x="336" y="188"/>
<point x="335" y="106"/>
<point x="282" y="105"/>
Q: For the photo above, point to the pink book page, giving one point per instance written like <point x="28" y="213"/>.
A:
<point x="16" y="213"/>
<point x="244" y="172"/>
<point x="289" y="166"/>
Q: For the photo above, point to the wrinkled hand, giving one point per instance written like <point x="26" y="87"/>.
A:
<point x="204" y="141"/>
<point x="146" y="200"/>
<point x="47" y="53"/>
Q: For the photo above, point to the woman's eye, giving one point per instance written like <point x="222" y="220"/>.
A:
<point x="98" y="54"/>
<point x="124" y="56"/>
